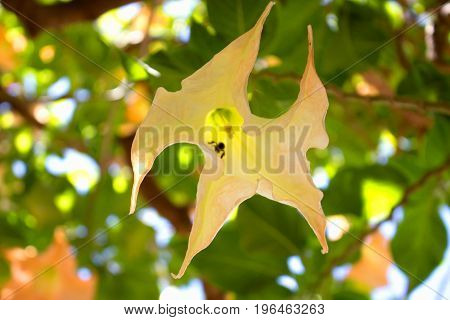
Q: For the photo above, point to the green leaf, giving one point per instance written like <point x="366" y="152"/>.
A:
<point x="135" y="69"/>
<point x="227" y="265"/>
<point x="424" y="82"/>
<point x="203" y="42"/>
<point x="419" y="244"/>
<point x="4" y="271"/>
<point x="270" y="99"/>
<point x="293" y="18"/>
<point x="135" y="256"/>
<point x="379" y="198"/>
<point x="350" y="294"/>
<point x="437" y="142"/>
<point x="345" y="192"/>
<point x="270" y="227"/>
<point x="233" y="18"/>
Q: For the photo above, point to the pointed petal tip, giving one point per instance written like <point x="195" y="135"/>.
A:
<point x="183" y="268"/>
<point x="324" y="244"/>
<point x="323" y="241"/>
<point x="134" y="192"/>
<point x="132" y="206"/>
<point x="266" y="11"/>
<point x="176" y="276"/>
<point x="310" y="35"/>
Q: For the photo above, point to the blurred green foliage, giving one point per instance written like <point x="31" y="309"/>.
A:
<point x="376" y="150"/>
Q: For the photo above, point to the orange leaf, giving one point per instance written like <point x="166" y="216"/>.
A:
<point x="137" y="104"/>
<point x="7" y="54"/>
<point x="371" y="269"/>
<point x="51" y="275"/>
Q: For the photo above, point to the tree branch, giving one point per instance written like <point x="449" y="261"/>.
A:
<point x="211" y="292"/>
<point x="178" y="216"/>
<point x="395" y="102"/>
<point x="436" y="39"/>
<point x="35" y="16"/>
<point x="21" y="107"/>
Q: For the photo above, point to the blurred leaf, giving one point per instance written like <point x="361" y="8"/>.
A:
<point x="293" y="18"/>
<point x="371" y="269"/>
<point x="424" y="81"/>
<point x="233" y="18"/>
<point x="437" y="142"/>
<point x="355" y="38"/>
<point x="379" y="198"/>
<point x="203" y="42"/>
<point x="420" y="241"/>
<point x="227" y="265"/>
<point x="269" y="227"/>
<point x="49" y="275"/>
<point x="348" y="184"/>
<point x="130" y="273"/>
<point x="349" y="294"/>
<point x="40" y="201"/>
<point x="135" y="69"/>
<point x="270" y="99"/>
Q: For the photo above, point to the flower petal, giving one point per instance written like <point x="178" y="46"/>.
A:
<point x="222" y="82"/>
<point x="304" y="123"/>
<point x="217" y="196"/>
<point x="219" y="88"/>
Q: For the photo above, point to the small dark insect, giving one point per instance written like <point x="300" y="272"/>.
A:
<point x="219" y="148"/>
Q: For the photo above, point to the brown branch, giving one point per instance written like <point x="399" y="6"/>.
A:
<point x="211" y="292"/>
<point x="35" y="16"/>
<point x="21" y="107"/>
<point x="402" y="58"/>
<point x="438" y="40"/>
<point x="143" y="46"/>
<point x="395" y="102"/>
<point x="178" y="216"/>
